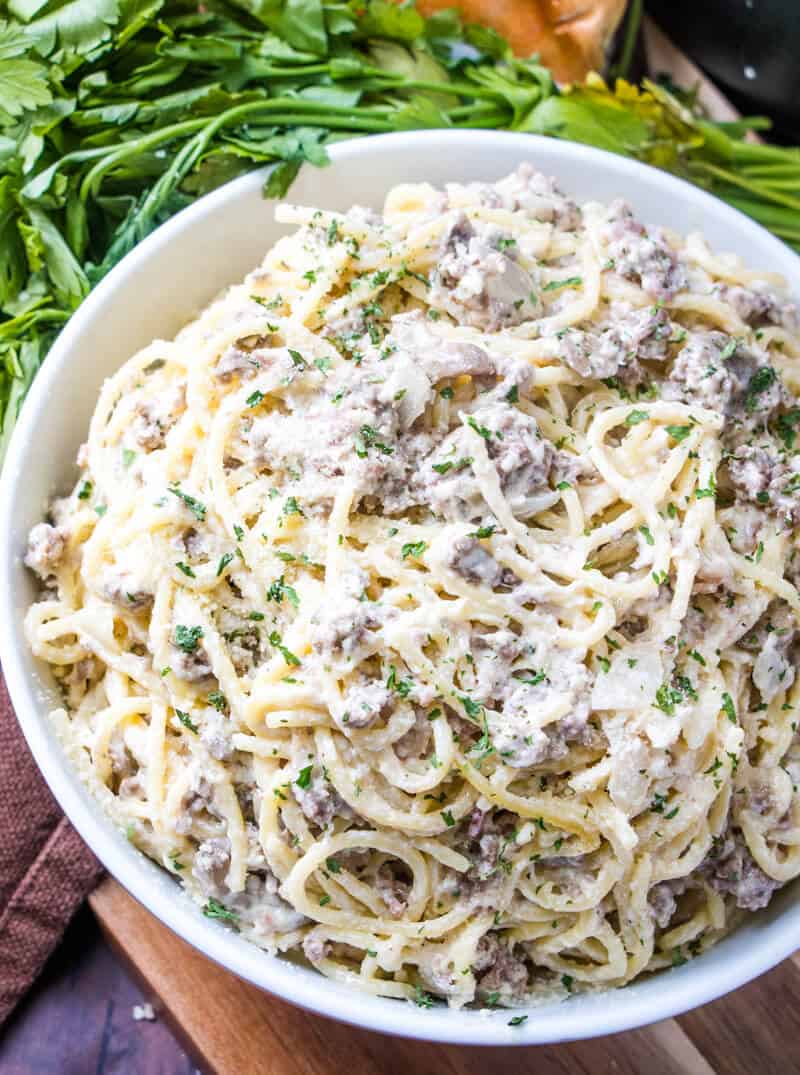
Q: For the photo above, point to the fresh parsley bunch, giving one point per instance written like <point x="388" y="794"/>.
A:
<point x="114" y="114"/>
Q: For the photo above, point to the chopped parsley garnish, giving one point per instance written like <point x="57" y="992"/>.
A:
<point x="186" y="638"/>
<point x="667" y="698"/>
<point x="448" y="818"/>
<point x="400" y="686"/>
<point x="648" y="537"/>
<point x="254" y="398"/>
<point x="323" y="365"/>
<point x="279" y="589"/>
<point x="710" y="491"/>
<point x="728" y="708"/>
<point x="532" y="681"/>
<point x="413" y="548"/>
<point x="459" y="464"/>
<point x="219" y="701"/>
<point x="367" y="438"/>
<point x="786" y="426"/>
<point x="571" y="281"/>
<point x="679" y="433"/>
<point x="214" y="909"/>
<point x="195" y="506"/>
<point x="518" y="1020"/>
<point x="85" y="490"/>
<point x="446" y="392"/>
<point x="415" y="275"/>
<point x="421" y="998"/>
<point x="633" y="418"/>
<point x="471" y="708"/>
<point x="483" y="532"/>
<point x="762" y="380"/>
<point x="480" y="430"/>
<point x="277" y="642"/>
<point x="304" y="777"/>
<point x="333" y="865"/>
<point x="297" y="359"/>
<point x="291" y="507"/>
<point x="181" y="566"/>
<point x="186" y="720"/>
<point x="566" y="981"/>
<point x="512" y="395"/>
<point x="224" y="560"/>
<point x="564" y="485"/>
<point x="604" y="663"/>
<point x="128" y="456"/>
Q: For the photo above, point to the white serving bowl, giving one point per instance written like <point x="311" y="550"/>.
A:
<point x="170" y="277"/>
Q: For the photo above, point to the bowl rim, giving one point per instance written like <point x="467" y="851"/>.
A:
<point x="635" y="1005"/>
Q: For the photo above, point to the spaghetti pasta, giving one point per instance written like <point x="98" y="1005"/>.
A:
<point x="429" y="603"/>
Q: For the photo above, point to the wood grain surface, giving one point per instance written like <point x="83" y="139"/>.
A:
<point x="232" y="1028"/>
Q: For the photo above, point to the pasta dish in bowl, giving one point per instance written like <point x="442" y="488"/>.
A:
<point x="427" y="606"/>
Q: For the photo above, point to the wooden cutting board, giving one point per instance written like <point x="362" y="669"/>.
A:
<point x="232" y="1028"/>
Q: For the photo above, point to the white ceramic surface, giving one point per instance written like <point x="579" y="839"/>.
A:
<point x="169" y="277"/>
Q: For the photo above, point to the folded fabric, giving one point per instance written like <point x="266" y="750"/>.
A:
<point x="46" y="870"/>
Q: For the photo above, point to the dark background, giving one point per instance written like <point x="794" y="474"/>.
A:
<point x="78" y="1018"/>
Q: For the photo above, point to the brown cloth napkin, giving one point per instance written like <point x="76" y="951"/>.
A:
<point x="46" y="870"/>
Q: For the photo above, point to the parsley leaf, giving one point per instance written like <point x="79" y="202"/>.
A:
<point x="277" y="642"/>
<point x="195" y="506"/>
<point x="633" y="418"/>
<point x="303" y="779"/>
<point x="215" y="909"/>
<point x="224" y="560"/>
<point x="729" y="708"/>
<point x="679" y="433"/>
<point x="555" y="285"/>
<point x="186" y="638"/>
<point x="482" y="431"/>
<point x="186" y="720"/>
<point x="413" y="548"/>
<point x="279" y="589"/>
<point x="219" y="701"/>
